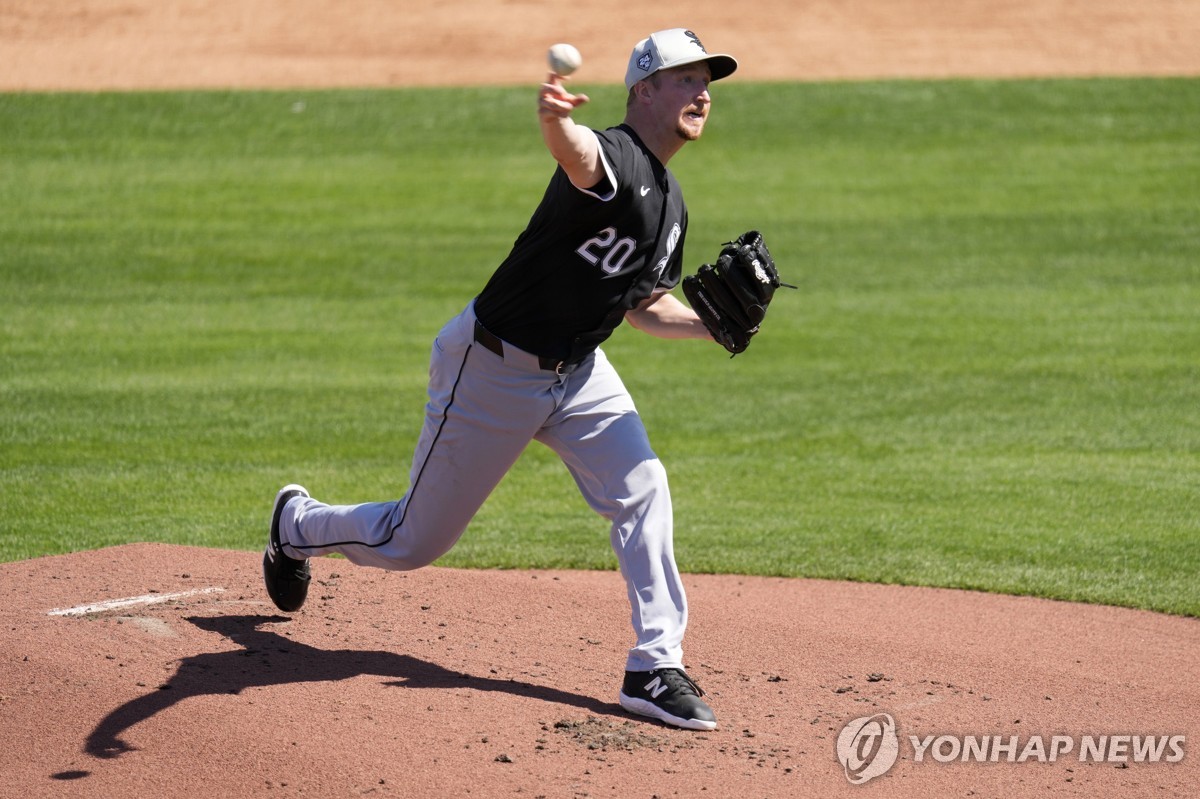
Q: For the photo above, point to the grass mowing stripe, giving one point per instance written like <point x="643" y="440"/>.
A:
<point x="989" y="378"/>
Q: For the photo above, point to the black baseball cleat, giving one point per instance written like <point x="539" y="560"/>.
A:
<point x="668" y="695"/>
<point x="286" y="578"/>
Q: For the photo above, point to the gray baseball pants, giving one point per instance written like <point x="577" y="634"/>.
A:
<point x="483" y="411"/>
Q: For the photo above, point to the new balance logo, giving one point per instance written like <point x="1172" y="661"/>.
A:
<point x="655" y="688"/>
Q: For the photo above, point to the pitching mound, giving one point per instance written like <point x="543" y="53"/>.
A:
<point x="152" y="670"/>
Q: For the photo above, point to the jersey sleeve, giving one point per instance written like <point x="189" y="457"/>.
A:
<point x="671" y="275"/>
<point x="606" y="189"/>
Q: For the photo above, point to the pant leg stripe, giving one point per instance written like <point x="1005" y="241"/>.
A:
<point x="412" y="489"/>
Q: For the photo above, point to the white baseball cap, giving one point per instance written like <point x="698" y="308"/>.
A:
<point x="674" y="48"/>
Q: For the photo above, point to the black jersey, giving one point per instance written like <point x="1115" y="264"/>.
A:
<point x="588" y="256"/>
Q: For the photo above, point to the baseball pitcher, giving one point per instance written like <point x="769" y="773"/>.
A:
<point x="523" y="362"/>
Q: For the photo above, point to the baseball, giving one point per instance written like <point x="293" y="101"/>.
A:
<point x="563" y="59"/>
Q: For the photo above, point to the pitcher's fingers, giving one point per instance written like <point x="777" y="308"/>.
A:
<point x="554" y="104"/>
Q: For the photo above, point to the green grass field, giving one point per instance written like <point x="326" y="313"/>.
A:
<point x="989" y="379"/>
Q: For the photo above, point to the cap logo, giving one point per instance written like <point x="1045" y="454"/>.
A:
<point x="669" y="49"/>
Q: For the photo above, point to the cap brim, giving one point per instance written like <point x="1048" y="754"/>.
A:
<point x="719" y="65"/>
<point x="722" y="66"/>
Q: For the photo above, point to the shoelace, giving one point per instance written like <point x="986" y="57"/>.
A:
<point x="678" y="680"/>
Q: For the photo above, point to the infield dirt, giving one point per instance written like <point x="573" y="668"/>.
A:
<point x="132" y="44"/>
<point x="445" y="682"/>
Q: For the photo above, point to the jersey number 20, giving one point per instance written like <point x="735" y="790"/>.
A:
<point x="605" y="250"/>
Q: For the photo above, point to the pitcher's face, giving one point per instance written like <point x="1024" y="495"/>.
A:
<point x="682" y="93"/>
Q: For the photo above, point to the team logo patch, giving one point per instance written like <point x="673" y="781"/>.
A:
<point x="760" y="273"/>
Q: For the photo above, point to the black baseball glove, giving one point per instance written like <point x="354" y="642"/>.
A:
<point x="732" y="295"/>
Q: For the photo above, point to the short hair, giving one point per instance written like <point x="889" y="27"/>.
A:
<point x="653" y="78"/>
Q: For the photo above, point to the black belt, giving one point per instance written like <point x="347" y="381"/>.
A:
<point x="492" y="342"/>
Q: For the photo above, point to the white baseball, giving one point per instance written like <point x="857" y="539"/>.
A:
<point x="563" y="59"/>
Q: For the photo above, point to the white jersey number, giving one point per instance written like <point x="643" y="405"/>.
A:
<point x="605" y="250"/>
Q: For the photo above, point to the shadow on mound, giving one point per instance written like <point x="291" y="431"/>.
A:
<point x="267" y="659"/>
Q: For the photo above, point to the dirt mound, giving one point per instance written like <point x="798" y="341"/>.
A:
<point x="446" y="682"/>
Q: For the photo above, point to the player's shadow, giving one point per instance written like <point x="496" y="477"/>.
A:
<point x="267" y="658"/>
